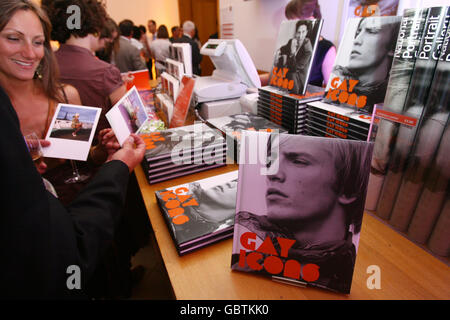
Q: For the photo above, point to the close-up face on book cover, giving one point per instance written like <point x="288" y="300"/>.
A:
<point x="361" y="69"/>
<point x="299" y="211"/>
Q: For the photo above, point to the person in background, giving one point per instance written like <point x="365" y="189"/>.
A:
<point x="197" y="38"/>
<point x="151" y="25"/>
<point x="176" y="33"/>
<point x="136" y="38"/>
<point x="325" y="54"/>
<point x="188" y="37"/>
<point x="110" y="33"/>
<point x="129" y="57"/>
<point x="99" y="84"/>
<point x="159" y="49"/>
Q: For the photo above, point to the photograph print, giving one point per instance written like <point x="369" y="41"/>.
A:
<point x="132" y="110"/>
<point x="73" y="123"/>
<point x="293" y="58"/>
<point x="71" y="132"/>
<point x="300" y="221"/>
<point x="362" y="67"/>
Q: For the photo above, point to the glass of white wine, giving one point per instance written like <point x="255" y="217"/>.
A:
<point x="34" y="147"/>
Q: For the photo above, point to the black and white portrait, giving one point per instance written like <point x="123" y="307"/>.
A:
<point x="315" y="198"/>
<point x="294" y="51"/>
<point x="363" y="62"/>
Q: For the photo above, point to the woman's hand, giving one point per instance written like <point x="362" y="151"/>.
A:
<point x="108" y="141"/>
<point x="41" y="166"/>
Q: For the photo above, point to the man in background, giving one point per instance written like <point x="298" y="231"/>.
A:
<point x="128" y="57"/>
<point x="151" y="24"/>
<point x="176" y="33"/>
<point x="188" y="37"/>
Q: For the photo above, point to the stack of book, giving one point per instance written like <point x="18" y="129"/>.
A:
<point x="232" y="127"/>
<point x="181" y="151"/>
<point x="326" y="120"/>
<point x="201" y="212"/>
<point x="286" y="109"/>
<point x="284" y="100"/>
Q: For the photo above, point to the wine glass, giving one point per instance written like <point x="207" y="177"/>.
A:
<point x="76" y="176"/>
<point x="34" y="147"/>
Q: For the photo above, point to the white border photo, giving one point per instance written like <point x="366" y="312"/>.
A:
<point x="71" y="132"/>
<point x="127" y="116"/>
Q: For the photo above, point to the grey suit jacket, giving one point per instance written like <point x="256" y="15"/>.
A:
<point x="128" y="58"/>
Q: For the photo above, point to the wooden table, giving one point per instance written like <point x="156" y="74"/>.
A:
<point x="407" y="271"/>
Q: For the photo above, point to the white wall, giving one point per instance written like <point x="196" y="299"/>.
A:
<point x="140" y="11"/>
<point x="256" y="24"/>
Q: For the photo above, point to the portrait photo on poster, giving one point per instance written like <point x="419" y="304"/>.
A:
<point x="71" y="132"/>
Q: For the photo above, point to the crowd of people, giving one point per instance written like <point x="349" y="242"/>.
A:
<point x="49" y="225"/>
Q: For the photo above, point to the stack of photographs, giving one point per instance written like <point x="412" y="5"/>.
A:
<point x="287" y="110"/>
<point x="326" y="120"/>
<point x="182" y="151"/>
<point x="200" y="213"/>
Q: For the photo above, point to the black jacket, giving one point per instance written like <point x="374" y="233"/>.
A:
<point x="39" y="237"/>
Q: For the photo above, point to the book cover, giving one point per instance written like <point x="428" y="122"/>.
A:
<point x="199" y="210"/>
<point x="141" y="79"/>
<point x="71" y="132"/>
<point x="363" y="61"/>
<point x="299" y="208"/>
<point x="182" y="52"/>
<point x="426" y="142"/>
<point x="178" y="142"/>
<point x="128" y="115"/>
<point x="294" y="52"/>
<point x="171" y="85"/>
<point x="439" y="242"/>
<point x="415" y="107"/>
<point x="233" y="126"/>
<point x="406" y="49"/>
<point x="434" y="194"/>
<point x="408" y="44"/>
<point x="175" y="68"/>
<point x="182" y="103"/>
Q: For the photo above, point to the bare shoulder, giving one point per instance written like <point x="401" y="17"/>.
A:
<point x="73" y="97"/>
